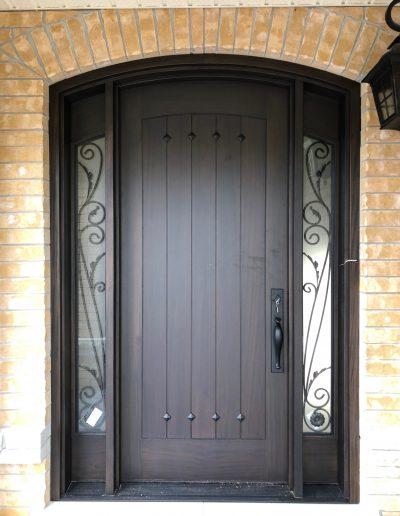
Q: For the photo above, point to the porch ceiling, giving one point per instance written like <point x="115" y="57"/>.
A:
<point x="6" y="5"/>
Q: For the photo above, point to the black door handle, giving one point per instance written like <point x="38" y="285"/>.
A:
<point x="278" y="341"/>
<point x="277" y="326"/>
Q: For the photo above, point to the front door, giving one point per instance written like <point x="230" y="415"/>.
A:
<point x="204" y="246"/>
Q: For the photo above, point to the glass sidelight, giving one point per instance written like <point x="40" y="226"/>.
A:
<point x="90" y="286"/>
<point x="317" y="284"/>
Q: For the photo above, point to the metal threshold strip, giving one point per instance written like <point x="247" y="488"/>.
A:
<point x="203" y="491"/>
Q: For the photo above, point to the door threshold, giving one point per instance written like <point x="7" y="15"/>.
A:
<point x="203" y="491"/>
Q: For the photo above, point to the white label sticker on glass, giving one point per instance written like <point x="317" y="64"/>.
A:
<point x="94" y="417"/>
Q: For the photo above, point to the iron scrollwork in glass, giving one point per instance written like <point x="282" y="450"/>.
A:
<point x="317" y="232"/>
<point x="90" y="277"/>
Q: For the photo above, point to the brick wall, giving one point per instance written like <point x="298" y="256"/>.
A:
<point x="39" y="48"/>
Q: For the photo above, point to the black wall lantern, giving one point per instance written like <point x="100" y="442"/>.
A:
<point x="384" y="79"/>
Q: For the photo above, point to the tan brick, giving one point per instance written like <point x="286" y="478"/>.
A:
<point x="375" y="14"/>
<point x="345" y="44"/>
<point x="196" y="24"/>
<point x="28" y="252"/>
<point x="147" y="31"/>
<point x="21" y="154"/>
<point x="23" y="220"/>
<point x="27" y="53"/>
<point x="28" y="186"/>
<point x="383" y="318"/>
<point x="20" y="19"/>
<point x="46" y="53"/>
<point x="113" y="34"/>
<point x="22" y="87"/>
<point x="383" y="368"/>
<point x="129" y="32"/>
<point x="181" y="30"/>
<point x="23" y="302"/>
<point x="380" y="218"/>
<point x="374" y="134"/>
<point x="23" y="203"/>
<point x="15" y="71"/>
<point x="57" y="16"/>
<point x="261" y="30"/>
<point x="25" y="171"/>
<point x="382" y="335"/>
<point x="15" y="138"/>
<point x="14" y="512"/>
<point x="382" y="301"/>
<point x="211" y="28"/>
<point x="380" y="235"/>
<point x="278" y="29"/>
<point x="227" y="28"/>
<point x="380" y="285"/>
<point x="19" y="336"/>
<point x="81" y="43"/>
<point x="380" y="168"/>
<point x="369" y="118"/>
<point x="22" y="236"/>
<point x="96" y="37"/>
<point x="376" y="268"/>
<point x="65" y="53"/>
<point x="328" y="39"/>
<point x="382" y="402"/>
<point x="311" y="37"/>
<point x="381" y="184"/>
<point x="23" y="352"/>
<point x="295" y="32"/>
<point x="380" y="201"/>
<point x="244" y="24"/>
<point x="379" y="151"/>
<point x="384" y="352"/>
<point x="20" y="482"/>
<point x="32" y="318"/>
<point x="24" y="121"/>
<point x="5" y="35"/>
<point x="164" y="30"/>
<point x="24" y="469"/>
<point x="354" y="12"/>
<point x="361" y="49"/>
<point x="22" y="104"/>
<point x="379" y="252"/>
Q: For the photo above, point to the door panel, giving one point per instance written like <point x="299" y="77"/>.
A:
<point x="204" y="239"/>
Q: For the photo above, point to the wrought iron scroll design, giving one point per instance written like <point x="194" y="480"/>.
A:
<point x="317" y="231"/>
<point x="91" y="215"/>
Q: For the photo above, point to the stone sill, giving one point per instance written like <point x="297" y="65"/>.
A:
<point x="205" y="509"/>
<point x="24" y="445"/>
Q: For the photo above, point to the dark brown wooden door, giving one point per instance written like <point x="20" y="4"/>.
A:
<point x="204" y="192"/>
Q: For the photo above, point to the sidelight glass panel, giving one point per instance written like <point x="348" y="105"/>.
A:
<point x="90" y="286"/>
<point x="317" y="276"/>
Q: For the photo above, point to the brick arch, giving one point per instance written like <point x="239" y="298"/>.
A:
<point x="55" y="45"/>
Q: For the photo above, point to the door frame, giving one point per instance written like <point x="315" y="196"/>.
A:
<point x="189" y="67"/>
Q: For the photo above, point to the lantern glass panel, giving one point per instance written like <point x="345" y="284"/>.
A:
<point x="385" y="96"/>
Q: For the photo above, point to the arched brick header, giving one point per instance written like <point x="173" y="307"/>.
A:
<point x="59" y="44"/>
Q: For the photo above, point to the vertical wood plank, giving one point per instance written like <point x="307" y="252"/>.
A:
<point x="253" y="309"/>
<point x="179" y="277"/>
<point x="154" y="277"/>
<point x="203" y="277"/>
<point x="228" y="277"/>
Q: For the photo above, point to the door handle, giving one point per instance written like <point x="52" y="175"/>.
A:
<point x="278" y="341"/>
<point x="277" y="326"/>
